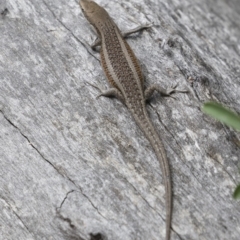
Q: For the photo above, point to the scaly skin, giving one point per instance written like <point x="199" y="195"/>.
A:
<point x="124" y="74"/>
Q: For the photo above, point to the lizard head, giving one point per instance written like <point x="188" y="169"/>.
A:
<point x="93" y="12"/>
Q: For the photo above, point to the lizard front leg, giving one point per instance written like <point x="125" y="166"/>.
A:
<point x="97" y="42"/>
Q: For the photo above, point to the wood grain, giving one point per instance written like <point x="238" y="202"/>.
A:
<point x="77" y="167"/>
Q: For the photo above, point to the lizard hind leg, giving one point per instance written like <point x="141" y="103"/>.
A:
<point x="112" y="92"/>
<point x="164" y="92"/>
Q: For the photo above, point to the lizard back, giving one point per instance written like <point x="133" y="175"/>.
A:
<point x="121" y="65"/>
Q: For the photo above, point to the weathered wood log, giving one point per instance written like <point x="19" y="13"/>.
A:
<point x="77" y="167"/>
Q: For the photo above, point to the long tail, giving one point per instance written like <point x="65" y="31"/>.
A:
<point x="151" y="134"/>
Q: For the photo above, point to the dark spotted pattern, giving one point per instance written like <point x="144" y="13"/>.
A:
<point x="132" y="92"/>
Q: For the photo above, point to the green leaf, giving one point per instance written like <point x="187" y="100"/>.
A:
<point x="222" y="114"/>
<point x="236" y="193"/>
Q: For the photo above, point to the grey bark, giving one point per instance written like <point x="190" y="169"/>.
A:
<point x="77" y="167"/>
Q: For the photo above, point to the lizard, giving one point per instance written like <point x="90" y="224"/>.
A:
<point x="124" y="74"/>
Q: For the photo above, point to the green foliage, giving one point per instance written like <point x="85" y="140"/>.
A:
<point x="222" y="114"/>
<point x="236" y="193"/>
<point x="228" y="117"/>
